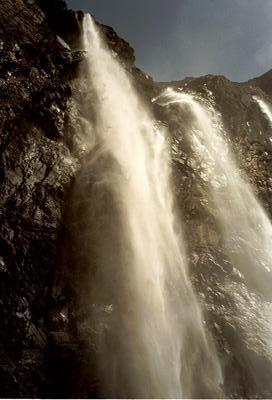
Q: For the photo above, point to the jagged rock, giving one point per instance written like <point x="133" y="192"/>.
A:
<point x="62" y="20"/>
<point x="36" y="171"/>
<point x="118" y="45"/>
<point x="264" y="82"/>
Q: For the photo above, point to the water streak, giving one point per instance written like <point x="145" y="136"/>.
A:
<point x="264" y="108"/>
<point x="246" y="228"/>
<point x="146" y="323"/>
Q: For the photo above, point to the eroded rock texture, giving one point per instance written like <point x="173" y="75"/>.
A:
<point x="36" y="170"/>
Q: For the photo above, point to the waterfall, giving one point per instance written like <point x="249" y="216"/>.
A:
<point x="264" y="108"/>
<point x="144" y="319"/>
<point x="246" y="228"/>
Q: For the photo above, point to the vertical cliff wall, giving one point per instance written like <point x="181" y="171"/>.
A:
<point x="36" y="67"/>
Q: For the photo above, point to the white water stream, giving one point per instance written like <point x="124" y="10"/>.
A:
<point x="153" y="342"/>
<point x="246" y="228"/>
<point x="264" y="108"/>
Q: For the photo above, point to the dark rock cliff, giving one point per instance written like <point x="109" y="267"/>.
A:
<point x="41" y="351"/>
<point x="264" y="82"/>
<point x="35" y="69"/>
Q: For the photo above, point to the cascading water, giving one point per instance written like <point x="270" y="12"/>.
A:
<point x="246" y="229"/>
<point x="264" y="108"/>
<point x="146" y="323"/>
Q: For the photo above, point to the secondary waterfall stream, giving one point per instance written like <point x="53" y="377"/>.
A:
<point x="264" y="108"/>
<point x="146" y="324"/>
<point x="246" y="228"/>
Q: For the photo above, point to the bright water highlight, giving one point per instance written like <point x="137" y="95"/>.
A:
<point x="246" y="229"/>
<point x="149" y="331"/>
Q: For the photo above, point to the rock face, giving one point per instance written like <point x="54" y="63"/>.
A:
<point x="42" y="353"/>
<point x="37" y="168"/>
<point x="264" y="82"/>
<point x="229" y="306"/>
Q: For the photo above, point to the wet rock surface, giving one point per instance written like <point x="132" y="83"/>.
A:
<point x="45" y="349"/>
<point x="239" y="318"/>
<point x="37" y="166"/>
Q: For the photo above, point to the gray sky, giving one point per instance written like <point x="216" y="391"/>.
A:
<point x="177" y="38"/>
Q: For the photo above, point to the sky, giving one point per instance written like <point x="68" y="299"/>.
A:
<point x="173" y="39"/>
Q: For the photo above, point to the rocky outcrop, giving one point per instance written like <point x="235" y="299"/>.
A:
<point x="264" y="82"/>
<point x="36" y="67"/>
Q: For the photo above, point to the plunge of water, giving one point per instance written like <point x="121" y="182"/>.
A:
<point x="146" y="323"/>
<point x="246" y="228"/>
<point x="264" y="108"/>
